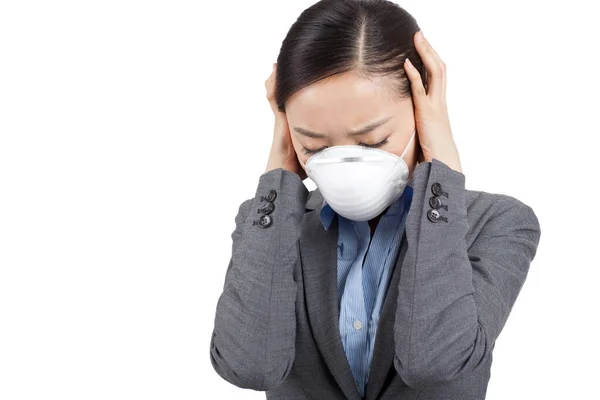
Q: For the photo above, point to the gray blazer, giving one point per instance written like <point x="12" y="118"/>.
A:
<point x="454" y="283"/>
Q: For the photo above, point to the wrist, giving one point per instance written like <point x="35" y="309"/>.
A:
<point x="273" y="164"/>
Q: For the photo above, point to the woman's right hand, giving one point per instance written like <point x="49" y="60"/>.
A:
<point x="282" y="153"/>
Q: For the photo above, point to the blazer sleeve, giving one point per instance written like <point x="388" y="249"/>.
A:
<point x="455" y="299"/>
<point x="253" y="340"/>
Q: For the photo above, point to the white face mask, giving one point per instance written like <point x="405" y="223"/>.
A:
<point x="359" y="182"/>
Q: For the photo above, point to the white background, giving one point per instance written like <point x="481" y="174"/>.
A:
<point x="131" y="132"/>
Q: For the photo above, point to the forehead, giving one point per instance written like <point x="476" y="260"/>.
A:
<point x="343" y="101"/>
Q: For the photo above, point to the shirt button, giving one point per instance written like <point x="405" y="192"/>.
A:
<point x="357" y="325"/>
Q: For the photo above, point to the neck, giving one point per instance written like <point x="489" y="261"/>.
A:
<point x="373" y="223"/>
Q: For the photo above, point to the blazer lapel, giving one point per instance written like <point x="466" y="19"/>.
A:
<point x="383" y="353"/>
<point x="318" y="253"/>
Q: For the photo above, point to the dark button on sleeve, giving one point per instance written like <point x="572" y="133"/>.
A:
<point x="435" y="216"/>
<point x="271" y="196"/>
<point x="435" y="202"/>
<point x="267" y="208"/>
<point x="436" y="189"/>
<point x="265" y="221"/>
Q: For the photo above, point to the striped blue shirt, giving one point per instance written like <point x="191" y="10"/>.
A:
<point x="362" y="281"/>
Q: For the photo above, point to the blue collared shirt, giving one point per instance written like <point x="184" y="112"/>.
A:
<point x="362" y="281"/>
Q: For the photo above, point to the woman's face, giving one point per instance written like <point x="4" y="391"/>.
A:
<point x="325" y="114"/>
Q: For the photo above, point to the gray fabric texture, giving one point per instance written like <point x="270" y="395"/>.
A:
<point x="452" y="288"/>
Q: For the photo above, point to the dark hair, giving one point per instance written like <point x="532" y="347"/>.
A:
<point x="369" y="37"/>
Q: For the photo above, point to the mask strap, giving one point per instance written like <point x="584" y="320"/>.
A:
<point x="409" y="142"/>
<point x="407" y="146"/>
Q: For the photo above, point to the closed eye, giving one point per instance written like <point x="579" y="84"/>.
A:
<point x="382" y="143"/>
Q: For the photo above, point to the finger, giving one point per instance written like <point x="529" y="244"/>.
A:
<point x="442" y="65"/>
<point x="270" y="86"/>
<point x="416" y="83"/>
<point x="434" y="53"/>
<point x="433" y="65"/>
<point x="270" y="78"/>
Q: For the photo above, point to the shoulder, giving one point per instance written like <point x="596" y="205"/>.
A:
<point x="497" y="213"/>
<point x="479" y="201"/>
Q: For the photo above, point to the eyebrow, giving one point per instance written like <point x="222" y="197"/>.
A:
<point x="370" y="127"/>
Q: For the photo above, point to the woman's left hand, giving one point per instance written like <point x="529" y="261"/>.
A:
<point x="431" y="113"/>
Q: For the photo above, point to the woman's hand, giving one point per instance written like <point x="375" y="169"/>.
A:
<point x="282" y="153"/>
<point x="431" y="114"/>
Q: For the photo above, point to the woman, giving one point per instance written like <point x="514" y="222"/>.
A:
<point x="391" y="280"/>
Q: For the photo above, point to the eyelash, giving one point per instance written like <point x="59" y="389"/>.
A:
<point x="376" y="145"/>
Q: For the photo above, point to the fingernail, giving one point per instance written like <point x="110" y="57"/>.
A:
<point x="408" y="63"/>
<point x="420" y="36"/>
